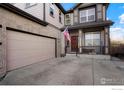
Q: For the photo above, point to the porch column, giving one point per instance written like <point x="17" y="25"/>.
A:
<point x="80" y="41"/>
<point x="107" y="40"/>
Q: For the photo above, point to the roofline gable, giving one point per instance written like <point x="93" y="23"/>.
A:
<point x="60" y="7"/>
<point x="78" y="4"/>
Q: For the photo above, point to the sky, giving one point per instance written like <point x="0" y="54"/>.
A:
<point x="115" y="13"/>
<point x="67" y="6"/>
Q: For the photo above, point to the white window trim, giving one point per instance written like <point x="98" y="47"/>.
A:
<point x="91" y="37"/>
<point x="52" y="7"/>
<point x="66" y="19"/>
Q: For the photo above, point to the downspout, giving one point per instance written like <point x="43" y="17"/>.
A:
<point x="44" y="12"/>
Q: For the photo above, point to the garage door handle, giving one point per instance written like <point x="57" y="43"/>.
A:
<point x="0" y="43"/>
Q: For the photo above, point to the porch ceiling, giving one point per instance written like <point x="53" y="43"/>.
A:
<point x="89" y="25"/>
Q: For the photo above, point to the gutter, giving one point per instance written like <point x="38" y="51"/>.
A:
<point x="89" y="25"/>
<point x="60" y="7"/>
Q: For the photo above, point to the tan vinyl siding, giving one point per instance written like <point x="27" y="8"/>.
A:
<point x="54" y="20"/>
<point x="35" y="10"/>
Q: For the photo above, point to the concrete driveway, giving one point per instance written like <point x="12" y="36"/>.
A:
<point x="70" y="70"/>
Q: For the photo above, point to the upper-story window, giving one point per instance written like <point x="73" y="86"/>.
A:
<point x="87" y="15"/>
<point x="60" y="16"/>
<point x="52" y="10"/>
<point x="29" y="5"/>
<point x="67" y="19"/>
<point x="67" y="16"/>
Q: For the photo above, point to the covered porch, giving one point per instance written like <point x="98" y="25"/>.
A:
<point x="89" y="41"/>
<point x="90" y="38"/>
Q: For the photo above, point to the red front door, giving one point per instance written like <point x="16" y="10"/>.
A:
<point x="74" y="43"/>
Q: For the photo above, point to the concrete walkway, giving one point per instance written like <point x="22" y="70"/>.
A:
<point x="70" y="70"/>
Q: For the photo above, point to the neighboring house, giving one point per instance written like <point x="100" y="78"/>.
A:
<point x="88" y="28"/>
<point x="29" y="33"/>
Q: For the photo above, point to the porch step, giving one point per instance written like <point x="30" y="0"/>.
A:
<point x="72" y="53"/>
<point x="90" y="56"/>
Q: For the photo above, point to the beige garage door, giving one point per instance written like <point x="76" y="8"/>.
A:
<point x="25" y="49"/>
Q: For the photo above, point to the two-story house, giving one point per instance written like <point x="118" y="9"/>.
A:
<point x="88" y="28"/>
<point x="31" y="32"/>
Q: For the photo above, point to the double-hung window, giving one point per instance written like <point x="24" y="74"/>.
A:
<point x="87" y="15"/>
<point x="92" y="39"/>
<point x="67" y="19"/>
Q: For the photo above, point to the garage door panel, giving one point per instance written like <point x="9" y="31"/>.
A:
<point x="20" y="54"/>
<point x="24" y="45"/>
<point x="21" y="62"/>
<point x="25" y="49"/>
